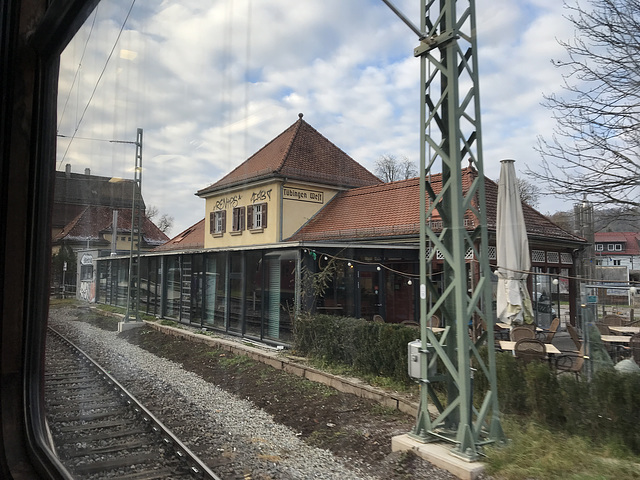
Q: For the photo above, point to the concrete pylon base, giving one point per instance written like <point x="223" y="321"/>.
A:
<point x="123" y="327"/>
<point x="440" y="455"/>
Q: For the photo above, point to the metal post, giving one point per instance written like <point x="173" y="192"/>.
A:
<point x="133" y="290"/>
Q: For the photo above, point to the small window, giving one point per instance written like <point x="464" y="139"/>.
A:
<point x="217" y="222"/>
<point x="616" y="263"/>
<point x="618" y="247"/>
<point x="611" y="247"/>
<point x="86" y="272"/>
<point x="237" y="222"/>
<point x="257" y="216"/>
<point x="599" y="247"/>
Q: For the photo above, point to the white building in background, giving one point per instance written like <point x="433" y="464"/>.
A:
<point x="618" y="249"/>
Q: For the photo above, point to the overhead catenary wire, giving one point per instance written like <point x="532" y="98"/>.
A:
<point x="75" y="76"/>
<point x="95" y="88"/>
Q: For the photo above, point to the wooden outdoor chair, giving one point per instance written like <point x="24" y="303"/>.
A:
<point x="434" y="321"/>
<point x="573" y="333"/>
<point x="553" y="328"/>
<point x="614" y="320"/>
<point x="410" y="323"/>
<point x="603" y="329"/>
<point x="571" y="363"/>
<point x="518" y="333"/>
<point x="530" y="350"/>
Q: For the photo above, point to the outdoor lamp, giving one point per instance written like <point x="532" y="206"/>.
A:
<point x="409" y="282"/>
<point x="555" y="281"/>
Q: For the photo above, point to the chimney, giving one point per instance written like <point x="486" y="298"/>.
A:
<point x="67" y="170"/>
<point x="87" y="171"/>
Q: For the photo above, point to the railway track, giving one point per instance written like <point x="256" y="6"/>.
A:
<point x="100" y="430"/>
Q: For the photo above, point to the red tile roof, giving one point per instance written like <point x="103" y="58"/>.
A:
<point x="630" y="239"/>
<point x="190" y="239"/>
<point x="392" y="210"/>
<point x="298" y="153"/>
<point x="94" y="220"/>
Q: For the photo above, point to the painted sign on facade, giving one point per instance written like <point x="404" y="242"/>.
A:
<point x="302" y="195"/>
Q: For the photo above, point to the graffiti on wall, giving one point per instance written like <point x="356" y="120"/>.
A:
<point x="261" y="196"/>
<point x="228" y="202"/>
<point x="87" y="291"/>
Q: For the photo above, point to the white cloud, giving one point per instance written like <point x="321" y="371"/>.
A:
<point x="212" y="82"/>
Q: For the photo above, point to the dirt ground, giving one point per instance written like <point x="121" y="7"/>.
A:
<point x="355" y="429"/>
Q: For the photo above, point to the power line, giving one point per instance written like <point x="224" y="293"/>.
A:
<point x="98" y="82"/>
<point x="75" y="77"/>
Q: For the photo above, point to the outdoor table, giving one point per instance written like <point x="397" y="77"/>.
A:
<point x="615" y="338"/>
<point x="506" y="326"/>
<point x="549" y="347"/>
<point x="630" y="330"/>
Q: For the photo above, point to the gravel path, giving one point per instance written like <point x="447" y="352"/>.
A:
<point x="235" y="438"/>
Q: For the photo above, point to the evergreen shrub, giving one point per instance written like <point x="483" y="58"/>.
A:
<point x="606" y="408"/>
<point x="371" y="348"/>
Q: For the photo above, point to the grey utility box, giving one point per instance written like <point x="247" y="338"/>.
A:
<point x="414" y="360"/>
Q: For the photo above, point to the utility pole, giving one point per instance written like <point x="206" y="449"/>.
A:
<point x="450" y="132"/>
<point x="133" y="290"/>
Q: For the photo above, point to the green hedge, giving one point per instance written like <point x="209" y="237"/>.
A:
<point x="605" y="409"/>
<point x="371" y="348"/>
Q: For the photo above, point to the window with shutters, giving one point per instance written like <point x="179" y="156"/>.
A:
<point x="237" y="221"/>
<point x="217" y="222"/>
<point x="257" y="216"/>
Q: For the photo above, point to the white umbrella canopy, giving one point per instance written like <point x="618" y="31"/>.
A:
<point x="513" y="305"/>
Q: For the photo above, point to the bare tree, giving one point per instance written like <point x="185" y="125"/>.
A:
<point x="529" y="193"/>
<point x="151" y="212"/>
<point x="389" y="168"/>
<point x="596" y="145"/>
<point x="164" y="223"/>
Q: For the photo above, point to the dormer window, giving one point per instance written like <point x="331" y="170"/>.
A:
<point x="599" y="247"/>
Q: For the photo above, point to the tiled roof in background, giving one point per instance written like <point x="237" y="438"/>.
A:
<point x="630" y="239"/>
<point x="190" y="239"/>
<point x="95" y="220"/>
<point x="74" y="191"/>
<point x="392" y="210"/>
<point x="298" y="153"/>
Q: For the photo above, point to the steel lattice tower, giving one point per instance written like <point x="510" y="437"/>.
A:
<point x="450" y="135"/>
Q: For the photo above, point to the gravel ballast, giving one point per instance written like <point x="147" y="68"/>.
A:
<point x="234" y="437"/>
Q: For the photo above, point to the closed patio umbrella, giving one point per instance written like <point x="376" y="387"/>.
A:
<point x="513" y="301"/>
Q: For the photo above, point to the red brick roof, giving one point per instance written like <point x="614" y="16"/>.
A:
<point x="94" y="220"/>
<point x="299" y="153"/>
<point x="630" y="239"/>
<point x="190" y="239"/>
<point x="392" y="210"/>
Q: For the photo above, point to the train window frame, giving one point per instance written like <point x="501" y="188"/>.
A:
<point x="32" y="36"/>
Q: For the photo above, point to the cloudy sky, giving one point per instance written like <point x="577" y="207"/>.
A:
<point x="212" y="82"/>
